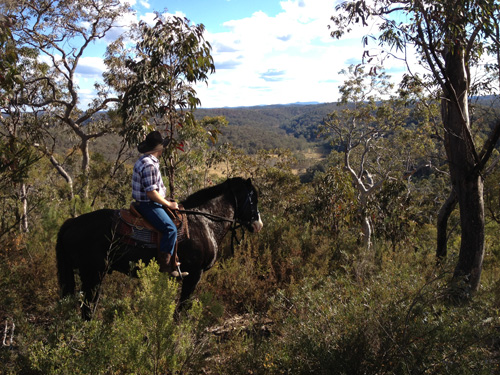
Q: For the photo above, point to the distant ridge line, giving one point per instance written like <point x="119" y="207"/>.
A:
<point x="266" y="105"/>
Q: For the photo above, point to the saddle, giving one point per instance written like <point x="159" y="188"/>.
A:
<point x="135" y="230"/>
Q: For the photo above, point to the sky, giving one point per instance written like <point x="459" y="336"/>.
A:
<point x="265" y="51"/>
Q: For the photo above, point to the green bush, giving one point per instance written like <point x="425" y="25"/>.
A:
<point x="144" y="338"/>
<point x="243" y="282"/>
<point x="148" y="339"/>
<point x="398" y="321"/>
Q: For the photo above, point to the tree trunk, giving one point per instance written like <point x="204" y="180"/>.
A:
<point x="367" y="232"/>
<point x="24" y="200"/>
<point x="171" y="175"/>
<point x="442" y="225"/>
<point x="64" y="174"/>
<point x="84" y="147"/>
<point x="470" y="260"/>
<point x="465" y="178"/>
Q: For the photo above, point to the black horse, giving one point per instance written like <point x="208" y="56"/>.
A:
<point x="88" y="242"/>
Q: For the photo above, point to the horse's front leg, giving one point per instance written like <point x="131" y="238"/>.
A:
<point x="189" y="284"/>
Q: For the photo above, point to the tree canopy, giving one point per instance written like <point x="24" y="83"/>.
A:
<point x="454" y="38"/>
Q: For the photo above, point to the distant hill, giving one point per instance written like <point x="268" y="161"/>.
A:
<point x="291" y="126"/>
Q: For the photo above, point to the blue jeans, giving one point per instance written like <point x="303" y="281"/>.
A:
<point x="158" y="217"/>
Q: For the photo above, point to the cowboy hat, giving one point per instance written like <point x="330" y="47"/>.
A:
<point x="151" y="143"/>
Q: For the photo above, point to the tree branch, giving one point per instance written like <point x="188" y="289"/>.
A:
<point x="488" y="147"/>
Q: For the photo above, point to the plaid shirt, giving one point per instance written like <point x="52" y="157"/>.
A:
<point x="147" y="177"/>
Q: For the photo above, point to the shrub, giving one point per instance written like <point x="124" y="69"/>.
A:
<point x="148" y="339"/>
<point x="144" y="338"/>
<point x="398" y="321"/>
<point x="242" y="283"/>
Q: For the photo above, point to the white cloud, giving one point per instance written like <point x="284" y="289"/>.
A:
<point x="88" y="73"/>
<point x="270" y="60"/>
<point x="263" y="59"/>
<point x="85" y="96"/>
<point x="289" y="57"/>
<point x="90" y="67"/>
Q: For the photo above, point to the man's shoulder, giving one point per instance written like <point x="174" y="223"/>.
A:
<point x="145" y="160"/>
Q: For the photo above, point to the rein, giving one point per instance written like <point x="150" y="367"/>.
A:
<point x="207" y="215"/>
<point x="235" y="224"/>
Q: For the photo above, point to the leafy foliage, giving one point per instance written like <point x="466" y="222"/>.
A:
<point x="386" y="326"/>
<point x="9" y="74"/>
<point x="16" y="160"/>
<point x="335" y="204"/>
<point x="143" y="338"/>
<point x="307" y="295"/>
<point x="169" y="59"/>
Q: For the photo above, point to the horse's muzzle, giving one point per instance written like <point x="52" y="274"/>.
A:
<point x="257" y="225"/>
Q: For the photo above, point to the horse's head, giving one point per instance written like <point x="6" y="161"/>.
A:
<point x="247" y="211"/>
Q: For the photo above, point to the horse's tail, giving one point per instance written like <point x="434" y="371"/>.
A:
<point x="65" y="272"/>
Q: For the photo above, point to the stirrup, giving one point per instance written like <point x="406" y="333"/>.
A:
<point x="178" y="273"/>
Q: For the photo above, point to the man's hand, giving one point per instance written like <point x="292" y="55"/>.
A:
<point x="156" y="197"/>
<point x="173" y="205"/>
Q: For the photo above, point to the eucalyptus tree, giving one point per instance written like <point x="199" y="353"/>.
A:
<point x="16" y="155"/>
<point x="453" y="38"/>
<point x="9" y="75"/>
<point x="371" y="132"/>
<point x="156" y="80"/>
<point x="53" y="37"/>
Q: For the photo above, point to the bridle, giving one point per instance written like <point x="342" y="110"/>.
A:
<point x="253" y="207"/>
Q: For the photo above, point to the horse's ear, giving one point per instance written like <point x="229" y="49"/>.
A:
<point x="248" y="182"/>
<point x="251" y="185"/>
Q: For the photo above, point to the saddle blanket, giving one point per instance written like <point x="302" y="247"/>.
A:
<point x="135" y="231"/>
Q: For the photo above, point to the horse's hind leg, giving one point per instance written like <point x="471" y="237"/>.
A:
<point x="91" y="283"/>
<point x="66" y="279"/>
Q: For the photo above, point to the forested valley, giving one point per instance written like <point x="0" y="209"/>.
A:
<point x="360" y="267"/>
<point x="303" y="295"/>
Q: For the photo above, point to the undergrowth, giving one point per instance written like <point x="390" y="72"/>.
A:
<point x="399" y="320"/>
<point x="143" y="337"/>
<point x="305" y="302"/>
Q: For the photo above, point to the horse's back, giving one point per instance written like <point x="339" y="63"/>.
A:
<point x="88" y="231"/>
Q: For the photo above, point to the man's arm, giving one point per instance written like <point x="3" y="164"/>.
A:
<point x="156" y="197"/>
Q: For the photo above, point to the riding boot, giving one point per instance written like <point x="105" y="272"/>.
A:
<point x="164" y="260"/>
<point x="167" y="266"/>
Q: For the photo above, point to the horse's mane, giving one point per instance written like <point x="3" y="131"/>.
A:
<point x="204" y="195"/>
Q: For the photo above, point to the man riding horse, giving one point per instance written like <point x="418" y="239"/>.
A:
<point x="149" y="192"/>
<point x="93" y="243"/>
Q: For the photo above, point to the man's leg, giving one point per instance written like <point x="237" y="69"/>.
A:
<point x="156" y="215"/>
